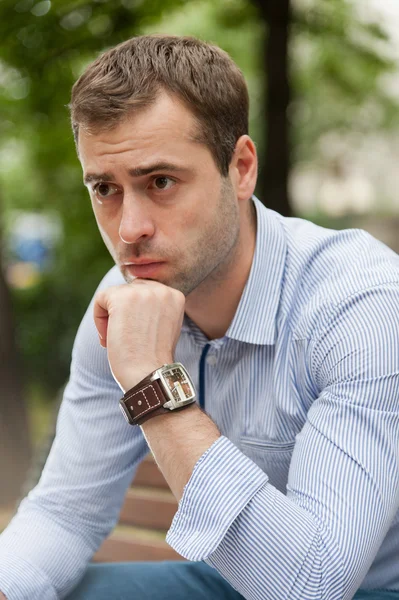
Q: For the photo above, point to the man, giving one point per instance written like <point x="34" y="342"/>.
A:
<point x="288" y="480"/>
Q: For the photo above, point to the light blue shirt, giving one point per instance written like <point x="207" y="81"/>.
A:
<point x="299" y="498"/>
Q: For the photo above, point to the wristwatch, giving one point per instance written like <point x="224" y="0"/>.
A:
<point x="166" y="389"/>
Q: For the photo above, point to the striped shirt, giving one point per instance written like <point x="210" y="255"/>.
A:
<point x="299" y="497"/>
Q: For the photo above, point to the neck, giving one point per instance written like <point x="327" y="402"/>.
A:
<point x="213" y="304"/>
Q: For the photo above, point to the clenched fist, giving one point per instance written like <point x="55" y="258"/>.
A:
<point x="139" y="324"/>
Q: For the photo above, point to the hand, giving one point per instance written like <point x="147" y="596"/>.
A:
<point x="2" y="596"/>
<point x="139" y="324"/>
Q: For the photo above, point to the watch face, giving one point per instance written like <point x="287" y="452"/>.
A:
<point x="179" y="383"/>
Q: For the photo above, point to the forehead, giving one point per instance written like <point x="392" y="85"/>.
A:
<point x="162" y="130"/>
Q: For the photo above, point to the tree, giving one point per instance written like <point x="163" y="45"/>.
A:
<point x="277" y="161"/>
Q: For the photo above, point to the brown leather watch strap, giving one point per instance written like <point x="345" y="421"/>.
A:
<point x="144" y="401"/>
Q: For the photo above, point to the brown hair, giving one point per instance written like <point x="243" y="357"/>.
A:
<point x="131" y="75"/>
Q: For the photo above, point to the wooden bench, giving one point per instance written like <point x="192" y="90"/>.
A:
<point x="146" y="515"/>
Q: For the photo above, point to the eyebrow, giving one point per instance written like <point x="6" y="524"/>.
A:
<point x="135" y="172"/>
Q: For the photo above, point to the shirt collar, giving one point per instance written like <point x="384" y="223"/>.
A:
<point x="255" y="319"/>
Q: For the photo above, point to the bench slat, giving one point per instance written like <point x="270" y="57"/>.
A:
<point x="143" y="509"/>
<point x="124" y="548"/>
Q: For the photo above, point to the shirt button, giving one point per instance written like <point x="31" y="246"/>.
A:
<point x="211" y="360"/>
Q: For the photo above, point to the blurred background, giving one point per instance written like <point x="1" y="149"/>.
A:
<point x="323" y="77"/>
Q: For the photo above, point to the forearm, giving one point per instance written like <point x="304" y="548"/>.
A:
<point x="2" y="596"/>
<point x="178" y="441"/>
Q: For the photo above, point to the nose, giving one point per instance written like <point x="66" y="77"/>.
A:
<point x="136" y="221"/>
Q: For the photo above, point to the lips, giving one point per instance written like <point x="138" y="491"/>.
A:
<point x="144" y="268"/>
<point x="142" y="261"/>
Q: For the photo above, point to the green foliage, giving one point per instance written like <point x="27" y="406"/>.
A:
<point x="336" y="66"/>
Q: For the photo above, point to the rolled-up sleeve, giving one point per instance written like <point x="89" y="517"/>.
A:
<point x="213" y="498"/>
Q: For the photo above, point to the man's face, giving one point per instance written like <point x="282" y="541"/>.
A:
<point x="162" y="207"/>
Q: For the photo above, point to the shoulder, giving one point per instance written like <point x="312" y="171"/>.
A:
<point x="326" y="270"/>
<point x="343" y="292"/>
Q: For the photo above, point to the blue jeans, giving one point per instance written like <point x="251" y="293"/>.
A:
<point x="168" y="580"/>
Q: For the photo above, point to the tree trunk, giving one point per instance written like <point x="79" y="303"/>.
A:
<point x="15" y="447"/>
<point x="273" y="180"/>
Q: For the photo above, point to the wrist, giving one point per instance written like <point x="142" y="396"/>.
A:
<point x="135" y="376"/>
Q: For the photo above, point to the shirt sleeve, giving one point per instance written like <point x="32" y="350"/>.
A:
<point x="318" y="541"/>
<point x="59" y="526"/>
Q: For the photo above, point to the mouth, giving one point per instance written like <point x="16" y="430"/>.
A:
<point x="144" y="268"/>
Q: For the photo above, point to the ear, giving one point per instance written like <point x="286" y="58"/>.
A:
<point x="244" y="167"/>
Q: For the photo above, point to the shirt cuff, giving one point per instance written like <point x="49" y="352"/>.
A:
<point x="222" y="483"/>
<point x="14" y="575"/>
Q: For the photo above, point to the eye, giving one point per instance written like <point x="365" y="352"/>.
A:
<point x="104" y="190"/>
<point x="162" y="183"/>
